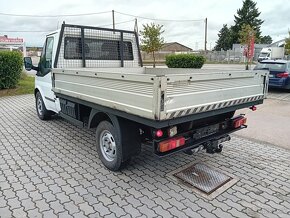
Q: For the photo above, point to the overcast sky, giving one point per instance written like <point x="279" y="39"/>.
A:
<point x="275" y="13"/>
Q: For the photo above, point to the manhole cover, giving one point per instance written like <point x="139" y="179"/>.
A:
<point x="203" y="178"/>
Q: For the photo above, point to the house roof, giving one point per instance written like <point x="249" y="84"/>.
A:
<point x="172" y="43"/>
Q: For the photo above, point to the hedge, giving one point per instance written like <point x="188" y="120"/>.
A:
<point x="11" y="65"/>
<point x="184" y="61"/>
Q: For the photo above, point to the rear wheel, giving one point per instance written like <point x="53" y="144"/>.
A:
<point x="41" y="110"/>
<point x="109" y="146"/>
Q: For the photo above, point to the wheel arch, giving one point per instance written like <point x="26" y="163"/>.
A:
<point x="97" y="116"/>
<point x="35" y="91"/>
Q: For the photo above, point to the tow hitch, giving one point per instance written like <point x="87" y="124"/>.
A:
<point x="215" y="146"/>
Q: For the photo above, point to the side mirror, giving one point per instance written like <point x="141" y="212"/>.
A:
<point x="28" y="63"/>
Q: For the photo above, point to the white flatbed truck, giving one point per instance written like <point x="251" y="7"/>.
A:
<point x="93" y="77"/>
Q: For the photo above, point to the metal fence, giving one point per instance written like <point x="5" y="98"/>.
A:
<point x="229" y="56"/>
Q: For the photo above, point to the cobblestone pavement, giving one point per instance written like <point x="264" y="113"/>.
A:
<point x="278" y="94"/>
<point x="51" y="169"/>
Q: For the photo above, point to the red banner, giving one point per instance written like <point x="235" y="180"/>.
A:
<point x="252" y="47"/>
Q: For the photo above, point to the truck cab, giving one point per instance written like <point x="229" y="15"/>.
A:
<point x="103" y="51"/>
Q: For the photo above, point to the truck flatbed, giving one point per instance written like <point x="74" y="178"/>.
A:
<point x="161" y="93"/>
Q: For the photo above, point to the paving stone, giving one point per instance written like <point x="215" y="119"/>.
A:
<point x="28" y="204"/>
<point x="42" y="205"/>
<point x="49" y="214"/>
<point x="71" y="207"/>
<point x="60" y="175"/>
<point x="148" y="212"/>
<point x="65" y="214"/>
<point x="236" y="213"/>
<point x="101" y="209"/>
<point x="35" y="195"/>
<point x="14" y="203"/>
<point x="5" y="212"/>
<point x="219" y="213"/>
<point x="133" y="201"/>
<point x="129" y="209"/>
<point x="118" y="211"/>
<point x="49" y="197"/>
<point x="9" y="193"/>
<point x="68" y="189"/>
<point x="76" y="198"/>
<point x="62" y="197"/>
<point x="3" y="202"/>
<point x="205" y="213"/>
<point x="56" y="206"/>
<point x="177" y="212"/>
<point x="86" y="208"/>
<point x="19" y="212"/>
<point x="34" y="213"/>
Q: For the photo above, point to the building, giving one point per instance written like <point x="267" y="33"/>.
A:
<point x="174" y="47"/>
<point x="168" y="48"/>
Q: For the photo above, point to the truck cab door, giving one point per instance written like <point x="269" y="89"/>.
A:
<point x="43" y="80"/>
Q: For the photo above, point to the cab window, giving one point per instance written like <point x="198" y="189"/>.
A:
<point x="48" y="52"/>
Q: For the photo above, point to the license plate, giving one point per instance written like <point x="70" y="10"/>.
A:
<point x="271" y="76"/>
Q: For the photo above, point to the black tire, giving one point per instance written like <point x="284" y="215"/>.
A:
<point x="109" y="146"/>
<point x="41" y="110"/>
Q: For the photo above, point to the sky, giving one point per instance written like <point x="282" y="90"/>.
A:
<point x="190" y="31"/>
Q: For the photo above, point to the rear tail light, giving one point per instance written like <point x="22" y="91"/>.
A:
<point x="159" y="133"/>
<point x="171" y="144"/>
<point x="282" y="75"/>
<point x="239" y="122"/>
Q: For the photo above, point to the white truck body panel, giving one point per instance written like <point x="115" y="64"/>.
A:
<point x="161" y="94"/>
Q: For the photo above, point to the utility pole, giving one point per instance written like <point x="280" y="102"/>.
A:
<point x="136" y="26"/>
<point x="113" y="16"/>
<point x="205" y="35"/>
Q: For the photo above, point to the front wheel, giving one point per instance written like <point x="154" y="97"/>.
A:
<point x="109" y="146"/>
<point x="41" y="110"/>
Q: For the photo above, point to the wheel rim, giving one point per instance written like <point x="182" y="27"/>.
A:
<point x="39" y="106"/>
<point x="108" y="145"/>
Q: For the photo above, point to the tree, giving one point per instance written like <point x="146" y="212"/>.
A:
<point x="266" y="40"/>
<point x="246" y="35"/>
<point x="287" y="45"/>
<point x="151" y="40"/>
<point x="247" y="15"/>
<point x="224" y="40"/>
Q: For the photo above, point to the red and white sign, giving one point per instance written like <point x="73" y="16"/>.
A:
<point x="4" y="39"/>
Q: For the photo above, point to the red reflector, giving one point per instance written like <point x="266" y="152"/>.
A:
<point x="282" y="75"/>
<point x="239" y="122"/>
<point x="253" y="108"/>
<point x="171" y="144"/>
<point x="159" y="133"/>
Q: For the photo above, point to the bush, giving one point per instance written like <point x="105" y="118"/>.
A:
<point x="184" y="61"/>
<point x="11" y="65"/>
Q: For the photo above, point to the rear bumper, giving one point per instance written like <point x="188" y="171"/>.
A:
<point x="193" y="143"/>
<point x="279" y="83"/>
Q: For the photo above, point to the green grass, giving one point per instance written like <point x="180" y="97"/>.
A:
<point x="24" y="86"/>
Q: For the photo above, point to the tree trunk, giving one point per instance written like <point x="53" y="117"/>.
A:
<point x="153" y="59"/>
